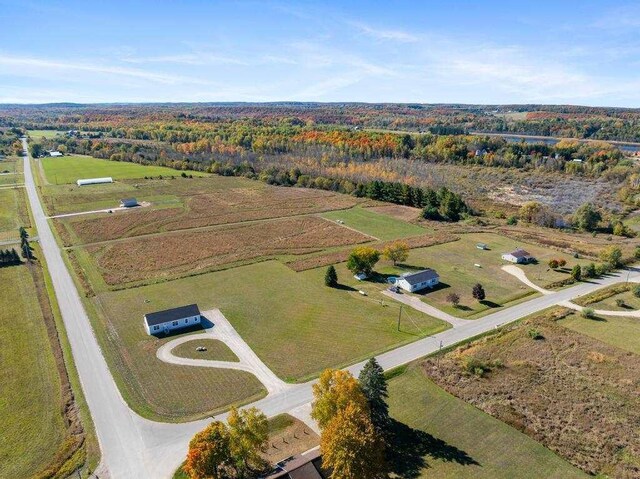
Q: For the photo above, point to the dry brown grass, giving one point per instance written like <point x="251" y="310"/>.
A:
<point x="340" y="256"/>
<point x="576" y="395"/>
<point x="233" y="205"/>
<point x="405" y="213"/>
<point x="188" y="252"/>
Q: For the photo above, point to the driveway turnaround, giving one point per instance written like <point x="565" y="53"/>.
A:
<point x="134" y="447"/>
<point x="225" y="332"/>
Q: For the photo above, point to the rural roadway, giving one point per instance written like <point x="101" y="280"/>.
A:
<point x="134" y="447"/>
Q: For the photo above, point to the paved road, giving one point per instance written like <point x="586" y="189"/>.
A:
<point x="133" y="447"/>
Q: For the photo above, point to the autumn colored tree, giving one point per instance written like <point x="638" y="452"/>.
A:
<point x="478" y="292"/>
<point x="397" y="251"/>
<point x="248" y="434"/>
<point x="350" y="447"/>
<point x="553" y="263"/>
<point x="334" y="390"/>
<point x="374" y="387"/>
<point x="454" y="299"/>
<point x="209" y="454"/>
<point x="362" y="260"/>
<point x="612" y="255"/>
<point x="562" y="262"/>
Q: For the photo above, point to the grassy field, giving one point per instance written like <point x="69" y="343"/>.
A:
<point x="380" y="226"/>
<point x="13" y="212"/>
<point x="38" y="134"/>
<point x="631" y="302"/>
<point x="68" y="169"/>
<point x="592" y="386"/>
<point x="621" y="332"/>
<point x="442" y="436"/>
<point x="216" y="350"/>
<point x="292" y="321"/>
<point x="455" y="263"/>
<point x="32" y="426"/>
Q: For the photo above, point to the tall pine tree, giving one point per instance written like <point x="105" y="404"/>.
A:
<point x="374" y="387"/>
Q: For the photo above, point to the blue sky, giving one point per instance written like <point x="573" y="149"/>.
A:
<point x="578" y="52"/>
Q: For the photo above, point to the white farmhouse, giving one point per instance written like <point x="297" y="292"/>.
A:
<point x="171" y="319"/>
<point x="518" y="256"/>
<point x="427" y="278"/>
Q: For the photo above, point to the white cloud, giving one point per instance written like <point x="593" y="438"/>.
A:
<point x="385" y="34"/>
<point x="40" y="67"/>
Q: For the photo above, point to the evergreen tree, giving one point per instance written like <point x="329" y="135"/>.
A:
<point x="374" y="387"/>
<point x="331" y="277"/>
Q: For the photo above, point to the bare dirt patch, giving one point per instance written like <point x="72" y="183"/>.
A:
<point x="188" y="252"/>
<point x="232" y="205"/>
<point x="576" y="395"/>
<point x="405" y="213"/>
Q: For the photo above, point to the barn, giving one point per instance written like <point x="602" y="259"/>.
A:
<point x="94" y="181"/>
<point x="128" y="202"/>
<point x="171" y="319"/>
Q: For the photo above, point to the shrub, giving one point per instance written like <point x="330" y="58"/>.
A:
<point x="612" y="255"/>
<point x="535" y="334"/>
<point x="553" y="264"/>
<point x="589" y="270"/>
<point x="620" y="303"/>
<point x="636" y="253"/>
<point x="588" y="313"/>
<point x="562" y="262"/>
<point x="636" y="291"/>
<point x="512" y="220"/>
<point x="576" y="272"/>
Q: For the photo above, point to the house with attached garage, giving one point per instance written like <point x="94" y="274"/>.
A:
<point x="172" y="319"/>
<point x="518" y="256"/>
<point x="427" y="278"/>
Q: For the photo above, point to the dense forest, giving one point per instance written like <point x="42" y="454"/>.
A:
<point x="343" y="147"/>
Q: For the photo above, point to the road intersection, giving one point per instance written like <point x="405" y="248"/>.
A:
<point x="135" y="447"/>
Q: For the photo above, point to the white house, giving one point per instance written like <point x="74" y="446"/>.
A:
<point x="94" y="181"/>
<point x="518" y="256"/>
<point x="411" y="282"/>
<point x="171" y="319"/>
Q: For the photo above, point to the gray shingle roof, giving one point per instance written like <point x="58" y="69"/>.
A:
<point x="421" y="276"/>
<point x="520" y="253"/>
<point x="160" y="317"/>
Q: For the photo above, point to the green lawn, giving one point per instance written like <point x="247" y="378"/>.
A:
<point x="621" y="332"/>
<point x="32" y="426"/>
<point x="378" y="225"/>
<point x="38" y="134"/>
<point x="292" y="321"/>
<point x="13" y="212"/>
<point x="441" y="436"/>
<point x="631" y="302"/>
<point x="68" y="169"/>
<point x="216" y="350"/>
<point x="455" y="263"/>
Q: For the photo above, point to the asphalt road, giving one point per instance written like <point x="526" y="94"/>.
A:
<point x="134" y="447"/>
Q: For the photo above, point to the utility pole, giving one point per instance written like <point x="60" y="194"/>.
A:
<point x="399" y="315"/>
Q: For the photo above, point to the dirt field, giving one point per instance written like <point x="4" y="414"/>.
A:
<point x="594" y="388"/>
<point x="147" y="258"/>
<point x="405" y="213"/>
<point x="214" y="208"/>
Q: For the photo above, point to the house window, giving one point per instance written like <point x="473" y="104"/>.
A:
<point x="196" y="319"/>
<point x="175" y="323"/>
<point x="186" y="320"/>
<point x="155" y="328"/>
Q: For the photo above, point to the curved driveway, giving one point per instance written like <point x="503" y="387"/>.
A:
<point x="134" y="447"/>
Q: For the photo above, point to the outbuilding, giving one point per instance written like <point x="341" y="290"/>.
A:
<point x="128" y="202"/>
<point x="172" y="319"/>
<point x="56" y="154"/>
<point x="518" y="256"/>
<point x="94" y="181"/>
<point x="427" y="278"/>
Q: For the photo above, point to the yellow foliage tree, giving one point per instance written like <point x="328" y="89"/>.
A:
<point x="397" y="251"/>
<point x="209" y="453"/>
<point x="334" y="391"/>
<point x="350" y="447"/>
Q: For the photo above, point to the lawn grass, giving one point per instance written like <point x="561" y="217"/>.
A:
<point x="48" y="134"/>
<point x="618" y="331"/>
<point x="380" y="226"/>
<point x="444" y="437"/>
<point x="296" y="324"/>
<point x="631" y="302"/>
<point x="32" y="427"/>
<point x="216" y="350"/>
<point x="68" y="169"/>
<point x="455" y="263"/>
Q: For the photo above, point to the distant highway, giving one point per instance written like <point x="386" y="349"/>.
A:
<point x="136" y="448"/>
